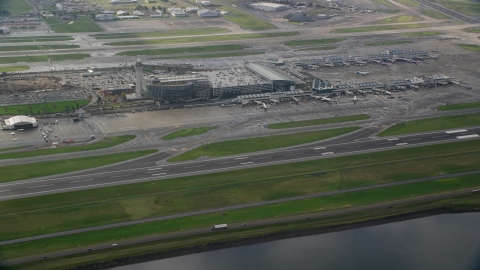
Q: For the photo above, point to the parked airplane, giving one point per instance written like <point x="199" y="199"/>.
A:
<point x="354" y="99"/>
<point x="362" y="72"/>
<point x="264" y="106"/>
<point x="13" y="133"/>
<point x="295" y="100"/>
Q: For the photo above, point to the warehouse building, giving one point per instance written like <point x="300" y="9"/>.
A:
<point x="104" y="17"/>
<point x="205" y="13"/>
<point x="271" y="7"/>
<point x="20" y="122"/>
<point x="178" y="88"/>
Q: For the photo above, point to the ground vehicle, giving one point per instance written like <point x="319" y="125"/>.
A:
<point x="219" y="226"/>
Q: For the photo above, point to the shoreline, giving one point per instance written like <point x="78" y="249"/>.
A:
<point x="268" y="238"/>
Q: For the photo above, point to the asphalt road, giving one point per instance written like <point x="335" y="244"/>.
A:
<point x="146" y="170"/>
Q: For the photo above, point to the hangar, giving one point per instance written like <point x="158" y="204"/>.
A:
<point x="19" y="122"/>
<point x="272" y="7"/>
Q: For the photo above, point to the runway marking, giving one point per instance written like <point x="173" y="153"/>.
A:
<point x="327" y="153"/>
<point x="467" y="136"/>
<point x="440" y="136"/>
<point x="456" y="131"/>
<point x="319" y="148"/>
<point x="355" y="146"/>
<point x="157" y="174"/>
<point x="120" y="175"/>
<point x="193" y="167"/>
<point x="413" y="139"/>
<point x="246" y="163"/>
<point x="153" y="169"/>
<point x="393" y="139"/>
<point x="292" y="154"/>
<point x="227" y="162"/>
<point x="41" y="186"/>
<point x="4" y="191"/>
<point x="399" y="144"/>
<point x="78" y="181"/>
<point x="241" y="158"/>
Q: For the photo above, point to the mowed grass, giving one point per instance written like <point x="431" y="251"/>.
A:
<point x="321" y="121"/>
<point x="472" y="30"/>
<point x="399" y="19"/>
<point x="15" y="6"/>
<point x="234" y="147"/>
<point x="198" y="49"/>
<point x="43" y="58"/>
<point x="187" y="133"/>
<point x="245" y="20"/>
<point x="470" y="8"/>
<point x="431" y="124"/>
<point x="388" y="43"/>
<point x="163" y="33"/>
<point x="104" y="143"/>
<point x="215" y="55"/>
<point x="311" y="206"/>
<point x="313" y="41"/>
<point x="434" y="14"/>
<point x="37" y="47"/>
<point x="35" y="39"/>
<point x="381" y="28"/>
<point x="43" y="108"/>
<point x="470" y="47"/>
<point x="201" y="39"/>
<point x="459" y="106"/>
<point x="14" y="68"/>
<point x="322" y="48"/>
<point x="422" y="34"/>
<point x="11" y="148"/>
<point x="78" y="26"/>
<point x="383" y="2"/>
<point x="409" y="3"/>
<point x="48" y="168"/>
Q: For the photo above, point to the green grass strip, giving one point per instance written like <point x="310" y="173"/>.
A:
<point x="399" y="19"/>
<point x="469" y="47"/>
<point x="313" y="41"/>
<point x="431" y="124"/>
<point x="234" y="147"/>
<point x="37" y="47"/>
<point x="163" y="33"/>
<point x="201" y="39"/>
<point x="472" y="30"/>
<point x="434" y="14"/>
<point x="75" y="26"/>
<point x="198" y="49"/>
<point x="35" y="39"/>
<point x="187" y="133"/>
<point x="14" y="68"/>
<point x="11" y="148"/>
<point x="216" y="55"/>
<point x="388" y="43"/>
<point x="43" y="58"/>
<point x="409" y="3"/>
<point x="382" y="28"/>
<point x="459" y="106"/>
<point x="104" y="143"/>
<point x="18" y="172"/>
<point x="422" y="34"/>
<point x="246" y="21"/>
<point x="383" y="2"/>
<point x="321" y="121"/>
<point x="44" y="108"/>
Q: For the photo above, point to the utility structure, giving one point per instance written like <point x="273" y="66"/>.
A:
<point x="139" y="73"/>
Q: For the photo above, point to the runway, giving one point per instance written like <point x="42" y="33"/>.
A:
<point x="155" y="168"/>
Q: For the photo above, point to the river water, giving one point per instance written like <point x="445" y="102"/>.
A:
<point x="449" y="241"/>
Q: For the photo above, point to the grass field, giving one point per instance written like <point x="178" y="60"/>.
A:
<point x="43" y="58"/>
<point x="470" y="8"/>
<point x="36" y="47"/>
<point x="234" y="147"/>
<point x="313" y="41"/>
<point x="215" y="55"/>
<point x="40" y="169"/>
<point x="399" y="19"/>
<point x="198" y="49"/>
<point x="389" y="11"/>
<point x="472" y="30"/>
<point x="11" y="148"/>
<point x="43" y="108"/>
<point x="33" y="39"/>
<point x="245" y="20"/>
<point x="422" y="34"/>
<point x="321" y="121"/>
<point x="163" y="33"/>
<point x="409" y="3"/>
<point x="381" y="28"/>
<point x="201" y="39"/>
<point x="15" y="6"/>
<point x="104" y="143"/>
<point x="388" y="43"/>
<point x="434" y="14"/>
<point x="322" y="48"/>
<point x="470" y="47"/>
<point x="383" y="2"/>
<point x="187" y="133"/>
<point x="14" y="68"/>
<point x="78" y="26"/>
<point x="459" y="106"/>
<point x="430" y="124"/>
